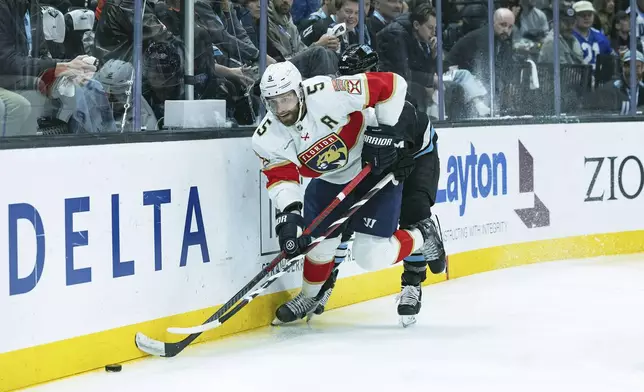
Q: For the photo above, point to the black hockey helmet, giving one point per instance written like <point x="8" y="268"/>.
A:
<point x="162" y="64"/>
<point x="358" y="59"/>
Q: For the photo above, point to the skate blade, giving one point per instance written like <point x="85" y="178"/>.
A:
<point x="310" y="316"/>
<point x="406" y="321"/>
<point x="277" y="322"/>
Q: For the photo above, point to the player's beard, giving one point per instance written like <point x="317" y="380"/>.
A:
<point x="289" y="118"/>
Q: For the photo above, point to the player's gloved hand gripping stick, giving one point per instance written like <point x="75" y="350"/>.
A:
<point x="379" y="149"/>
<point x="159" y="348"/>
<point x="289" y="231"/>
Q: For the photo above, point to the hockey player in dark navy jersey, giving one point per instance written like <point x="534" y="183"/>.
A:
<point x="419" y="167"/>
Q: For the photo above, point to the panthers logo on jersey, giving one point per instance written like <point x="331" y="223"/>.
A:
<point x="328" y="154"/>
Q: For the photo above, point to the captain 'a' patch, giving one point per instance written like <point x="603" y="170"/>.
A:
<point x="327" y="154"/>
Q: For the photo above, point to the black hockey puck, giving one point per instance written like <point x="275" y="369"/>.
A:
<point x="114" y="368"/>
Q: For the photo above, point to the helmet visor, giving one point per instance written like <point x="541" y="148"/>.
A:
<point x="283" y="104"/>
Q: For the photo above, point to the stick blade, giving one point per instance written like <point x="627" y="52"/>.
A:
<point x="149" y="345"/>
<point x="198" y="329"/>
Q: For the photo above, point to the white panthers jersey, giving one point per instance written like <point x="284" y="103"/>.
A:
<point x="327" y="143"/>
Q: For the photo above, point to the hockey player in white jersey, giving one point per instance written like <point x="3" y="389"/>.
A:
<point x="326" y="129"/>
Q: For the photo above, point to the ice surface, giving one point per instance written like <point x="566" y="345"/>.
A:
<point x="562" y="326"/>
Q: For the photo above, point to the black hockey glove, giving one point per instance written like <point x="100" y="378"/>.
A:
<point x="379" y="148"/>
<point x="404" y="165"/>
<point x="289" y="230"/>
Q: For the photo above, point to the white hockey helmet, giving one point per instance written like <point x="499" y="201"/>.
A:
<point x="281" y="78"/>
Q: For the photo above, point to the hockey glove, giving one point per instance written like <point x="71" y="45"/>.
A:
<point x="403" y="166"/>
<point x="289" y="231"/>
<point x="379" y="148"/>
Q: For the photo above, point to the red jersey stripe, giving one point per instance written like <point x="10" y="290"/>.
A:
<point x="308" y="173"/>
<point x="280" y="173"/>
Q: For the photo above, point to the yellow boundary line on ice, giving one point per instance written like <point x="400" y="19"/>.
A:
<point x="34" y="365"/>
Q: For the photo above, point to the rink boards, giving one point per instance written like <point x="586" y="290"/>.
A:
<point x="100" y="242"/>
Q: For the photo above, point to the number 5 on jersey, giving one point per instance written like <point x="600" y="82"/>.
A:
<point x="315" y="88"/>
<point x="263" y="127"/>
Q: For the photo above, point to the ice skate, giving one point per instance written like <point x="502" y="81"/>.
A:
<point x="409" y="304"/>
<point x="295" y="309"/>
<point x="432" y="249"/>
<point x="325" y="293"/>
<point x="409" y="299"/>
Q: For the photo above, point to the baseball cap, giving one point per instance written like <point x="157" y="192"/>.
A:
<point x="627" y="56"/>
<point x="621" y="15"/>
<point x="565" y="11"/>
<point x="583" y="6"/>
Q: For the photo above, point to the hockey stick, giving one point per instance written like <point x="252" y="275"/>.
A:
<point x="164" y="349"/>
<point x="289" y="263"/>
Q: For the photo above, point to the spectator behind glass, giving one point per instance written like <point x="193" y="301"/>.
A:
<point x="621" y="40"/>
<point x="532" y="21"/>
<point x="347" y="12"/>
<point x="303" y="8"/>
<point x="251" y="24"/>
<point x="605" y="16"/>
<point x="162" y="62"/>
<point x="385" y="11"/>
<point x="206" y="69"/>
<point x="114" y="39"/>
<point x="639" y="68"/>
<point x="514" y="6"/>
<point x="243" y="51"/>
<point x="615" y="96"/>
<point x="285" y="39"/>
<point x="285" y="36"/>
<point x="472" y="51"/>
<point x="592" y="41"/>
<point x="327" y="9"/>
<point x="231" y="43"/>
<point x="14" y="111"/>
<point x="473" y="17"/>
<point x="26" y="67"/>
<point x="409" y="48"/>
<point x="639" y="20"/>
<point x="569" y="48"/>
